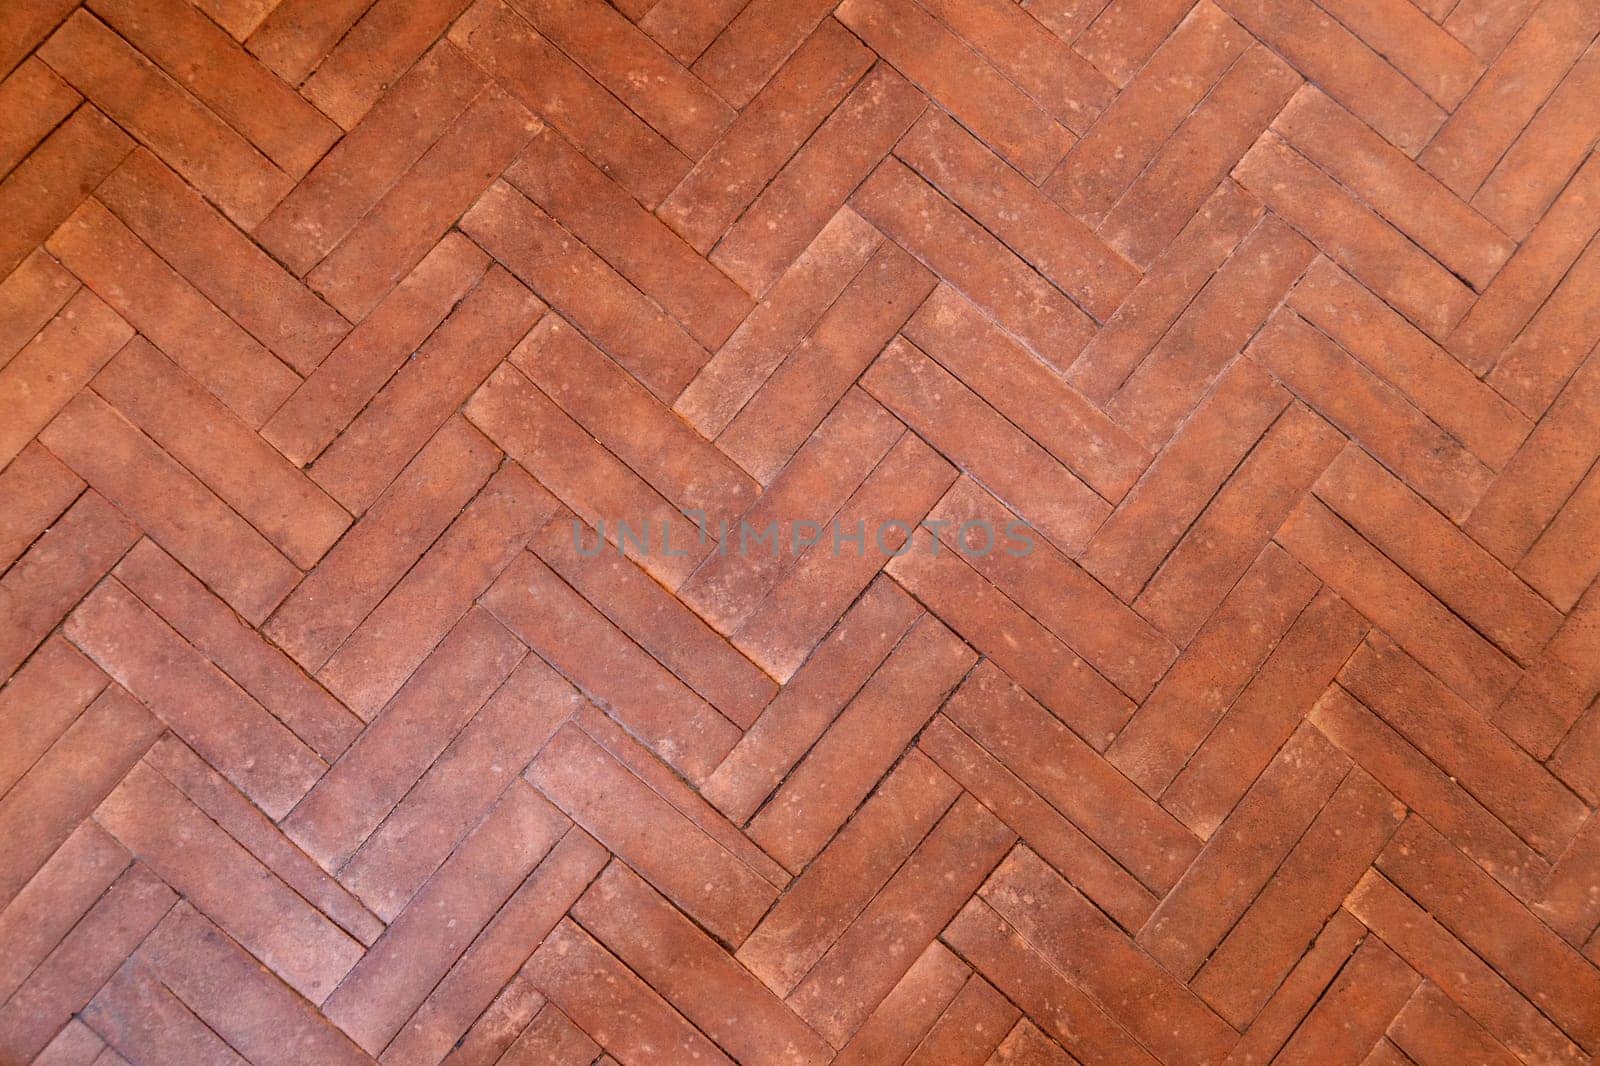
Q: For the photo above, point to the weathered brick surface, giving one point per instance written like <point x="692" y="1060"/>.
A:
<point x="936" y="532"/>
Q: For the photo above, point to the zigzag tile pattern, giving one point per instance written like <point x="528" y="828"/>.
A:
<point x="326" y="323"/>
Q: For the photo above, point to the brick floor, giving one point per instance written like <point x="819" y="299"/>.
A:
<point x="775" y="531"/>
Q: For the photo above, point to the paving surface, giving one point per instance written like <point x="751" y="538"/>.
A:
<point x="1108" y="505"/>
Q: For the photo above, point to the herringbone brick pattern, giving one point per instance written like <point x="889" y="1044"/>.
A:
<point x="1271" y="324"/>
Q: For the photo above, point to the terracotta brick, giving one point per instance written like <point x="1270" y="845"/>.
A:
<point x="140" y="1017"/>
<point x="430" y="386"/>
<point x="423" y="203"/>
<point x="818" y="372"/>
<point x="46" y="187"/>
<point x="296" y="34"/>
<point x="802" y="607"/>
<point x="201" y="57"/>
<point x="1358" y="77"/>
<point x="995" y="453"/>
<point x="372" y="55"/>
<point x="376" y="553"/>
<point x="1418" y="783"/>
<point x="59" y="568"/>
<point x="601" y="214"/>
<point x="257" y="834"/>
<point x="330" y="200"/>
<point x="1026" y="1044"/>
<point x="1485" y="27"/>
<point x="1160" y="299"/>
<point x="43" y="912"/>
<point x="1223" y="316"/>
<point x="830" y="466"/>
<point x="1428" y="55"/>
<point x="1402" y="192"/>
<point x="254" y="665"/>
<point x="861" y="744"/>
<point x="1060" y="843"/>
<point x="601" y="660"/>
<point x="660" y="624"/>
<point x="685" y="27"/>
<point x="778" y="323"/>
<point x="1537" y="167"/>
<point x="30" y="296"/>
<point x="1265" y="714"/>
<point x="974" y="262"/>
<point x="771" y="127"/>
<point x="677" y="103"/>
<point x="594" y="298"/>
<point x="1001" y="630"/>
<point x="1342" y="841"/>
<point x="1540" y="478"/>
<point x="1510" y="783"/>
<point x="1146" y="840"/>
<point x="1428" y="547"/>
<point x="612" y="1005"/>
<point x="72" y="973"/>
<point x="1438" y="956"/>
<point x="954" y="332"/>
<point x="1399" y="606"/>
<point x="915" y="904"/>
<point x="238" y="17"/>
<point x="742" y="59"/>
<point x="1502" y="102"/>
<point x="1242" y="852"/>
<point x="589" y="480"/>
<point x="73" y="1045"/>
<point x="450" y="1016"/>
<point x="215" y="978"/>
<point x="690" y="971"/>
<point x="1562" y="563"/>
<point x="1076" y="939"/>
<point x="60" y="360"/>
<point x="1530" y="276"/>
<point x="1150" y="520"/>
<point x="395" y="977"/>
<point x="34" y="101"/>
<point x="1120" y="36"/>
<point x="25" y="25"/>
<point x="554" y="87"/>
<point x="1352" y="234"/>
<point x="1213" y="669"/>
<point x="244" y="471"/>
<point x="893" y="1031"/>
<point x="220" y="262"/>
<point x="1433" y="380"/>
<point x="1354" y="1013"/>
<point x="551" y="1037"/>
<point x="1065" y="251"/>
<point x="163" y="115"/>
<point x="597" y="394"/>
<point x="810" y="700"/>
<point x="1111" y="154"/>
<point x="1201" y="151"/>
<point x="1061" y="1007"/>
<point x="679" y="859"/>
<point x="459" y="787"/>
<point x="1534" y="369"/>
<point x="1431" y="1025"/>
<point x="152" y="819"/>
<point x="40" y="701"/>
<point x="501" y="1023"/>
<point x="1219" y="547"/>
<point x="1532" y="958"/>
<point x="334" y="394"/>
<point x="1372" y="412"/>
<point x="171" y="313"/>
<point x="817" y="179"/>
<point x="1115" y="641"/>
<point x="1300" y="991"/>
<point x="195" y="699"/>
<point x="970" y="1029"/>
<point x="384" y="763"/>
<point x="845" y="876"/>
